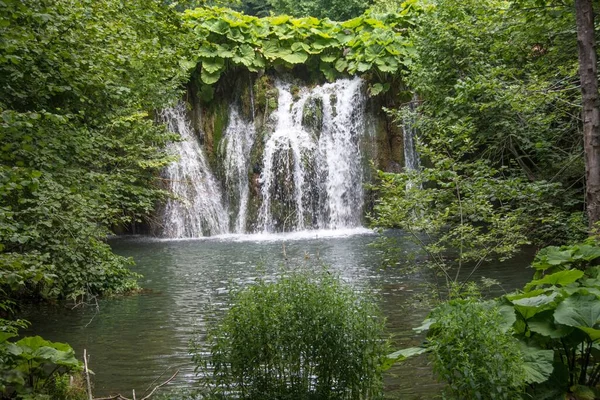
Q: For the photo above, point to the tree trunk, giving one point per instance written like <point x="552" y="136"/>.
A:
<point x="588" y="72"/>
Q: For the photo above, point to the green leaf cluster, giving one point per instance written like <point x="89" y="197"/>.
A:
<point x="556" y="319"/>
<point x="473" y="354"/>
<point x="32" y="364"/>
<point x="365" y="44"/>
<point x="559" y="311"/>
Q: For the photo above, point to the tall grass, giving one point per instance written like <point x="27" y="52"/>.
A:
<point x="307" y="336"/>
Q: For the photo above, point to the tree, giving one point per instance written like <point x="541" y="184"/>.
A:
<point x="79" y="151"/>
<point x="588" y="72"/>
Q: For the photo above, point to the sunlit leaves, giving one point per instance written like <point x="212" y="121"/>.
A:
<point x="360" y="45"/>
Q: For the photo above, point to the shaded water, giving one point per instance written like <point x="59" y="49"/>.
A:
<point x="133" y="340"/>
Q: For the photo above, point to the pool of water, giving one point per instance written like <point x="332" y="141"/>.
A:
<point x="135" y="339"/>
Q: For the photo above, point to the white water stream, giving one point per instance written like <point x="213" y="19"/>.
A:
<point x="197" y="209"/>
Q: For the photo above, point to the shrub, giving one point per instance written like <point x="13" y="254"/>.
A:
<point x="473" y="352"/>
<point x="305" y="336"/>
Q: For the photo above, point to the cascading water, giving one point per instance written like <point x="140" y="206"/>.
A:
<point x="411" y="157"/>
<point x="306" y="167"/>
<point x="340" y="161"/>
<point x="312" y="167"/>
<point x="235" y="151"/>
<point x="197" y="209"/>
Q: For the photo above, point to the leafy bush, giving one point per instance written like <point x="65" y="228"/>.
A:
<point x="556" y="318"/>
<point x="473" y="351"/>
<point x="559" y="312"/>
<point x="305" y="336"/>
<point x="34" y="366"/>
<point x="365" y="44"/>
<point x="80" y="153"/>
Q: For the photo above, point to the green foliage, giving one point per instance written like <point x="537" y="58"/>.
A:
<point x="305" y="336"/>
<point x="498" y="83"/>
<point x="560" y="312"/>
<point x="33" y="366"/>
<point x="337" y="10"/>
<point x="460" y="213"/>
<point x="80" y="153"/>
<point x="473" y="354"/>
<point x="556" y="318"/>
<point x="365" y="44"/>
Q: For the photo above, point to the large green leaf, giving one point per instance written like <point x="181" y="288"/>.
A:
<point x="281" y="19"/>
<point x="223" y="51"/>
<point x="579" y="311"/>
<point x="272" y="50"/>
<point x="561" y="278"/>
<point x="4" y="336"/>
<point x="213" y="65"/>
<point x="401" y="355"/>
<point x="586" y="252"/>
<point x="508" y="317"/>
<point x="244" y="56"/>
<point x="529" y="304"/>
<point x="217" y="25"/>
<point x="537" y="363"/>
<point x="209" y="78"/>
<point x="533" y="299"/>
<point x="328" y="58"/>
<point x="341" y="65"/>
<point x="295" y="58"/>
<point x="353" y="23"/>
<point x="329" y="72"/>
<point x="551" y="256"/>
<point x="543" y="323"/>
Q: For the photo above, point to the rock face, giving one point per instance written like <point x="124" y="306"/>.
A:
<point x="289" y="155"/>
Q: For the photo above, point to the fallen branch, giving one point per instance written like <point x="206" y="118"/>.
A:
<point x="121" y="397"/>
<point x="87" y="374"/>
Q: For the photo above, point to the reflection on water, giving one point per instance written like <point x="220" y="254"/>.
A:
<point x="133" y="340"/>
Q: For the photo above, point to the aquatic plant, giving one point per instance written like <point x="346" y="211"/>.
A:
<point x="304" y="336"/>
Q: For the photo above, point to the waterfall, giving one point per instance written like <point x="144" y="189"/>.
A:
<point x="340" y="161"/>
<point x="197" y="209"/>
<point x="312" y="166"/>
<point x="235" y="151"/>
<point x="411" y="157"/>
<point x="288" y="155"/>
<point x="304" y="159"/>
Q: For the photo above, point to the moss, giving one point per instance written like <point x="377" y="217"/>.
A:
<point x="295" y="91"/>
<point x="266" y="98"/>
<point x="333" y="103"/>
<point x="312" y="115"/>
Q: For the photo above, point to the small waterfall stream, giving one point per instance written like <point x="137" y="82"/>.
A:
<point x="309" y="174"/>
<point x="288" y="156"/>
<point x="411" y="157"/>
<point x="197" y="209"/>
<point x="235" y="151"/>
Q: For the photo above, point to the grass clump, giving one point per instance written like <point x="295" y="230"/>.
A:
<point x="306" y="336"/>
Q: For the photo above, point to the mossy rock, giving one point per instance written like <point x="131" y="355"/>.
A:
<point x="312" y="115"/>
<point x="333" y="102"/>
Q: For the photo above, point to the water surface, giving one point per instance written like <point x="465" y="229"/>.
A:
<point x="133" y="340"/>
